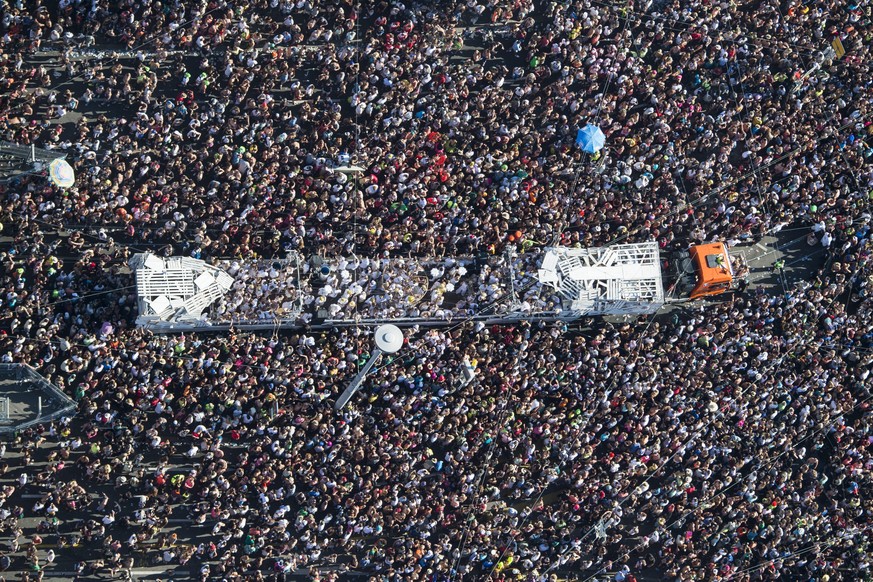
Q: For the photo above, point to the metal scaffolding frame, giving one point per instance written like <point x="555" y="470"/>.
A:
<point x="28" y="398"/>
<point x="616" y="280"/>
<point x="176" y="289"/>
<point x="175" y="294"/>
<point x="17" y="160"/>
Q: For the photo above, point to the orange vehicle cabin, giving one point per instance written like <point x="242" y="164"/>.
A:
<point x="715" y="274"/>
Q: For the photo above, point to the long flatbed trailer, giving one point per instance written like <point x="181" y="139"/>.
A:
<point x="177" y="294"/>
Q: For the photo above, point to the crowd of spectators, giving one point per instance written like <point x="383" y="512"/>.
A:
<point x="726" y="442"/>
<point x="267" y="289"/>
<point x="414" y="289"/>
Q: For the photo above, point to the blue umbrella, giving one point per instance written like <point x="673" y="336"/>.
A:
<point x="590" y="139"/>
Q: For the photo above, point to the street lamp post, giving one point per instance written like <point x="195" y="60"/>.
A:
<point x="389" y="339"/>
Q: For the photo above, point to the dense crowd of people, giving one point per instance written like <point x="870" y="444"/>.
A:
<point x="261" y="290"/>
<point x="445" y="289"/>
<point x="726" y="442"/>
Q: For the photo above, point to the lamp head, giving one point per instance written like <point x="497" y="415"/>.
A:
<point x="389" y="338"/>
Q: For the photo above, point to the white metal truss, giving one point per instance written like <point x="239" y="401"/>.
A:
<point x="176" y="289"/>
<point x="181" y="293"/>
<point x="616" y="280"/>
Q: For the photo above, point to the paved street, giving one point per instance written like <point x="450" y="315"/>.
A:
<point x="790" y="245"/>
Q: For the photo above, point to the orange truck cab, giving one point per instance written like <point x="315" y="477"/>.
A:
<point x="703" y="270"/>
<point x="712" y="264"/>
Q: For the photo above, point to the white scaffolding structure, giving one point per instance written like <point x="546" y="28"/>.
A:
<point x="176" y="290"/>
<point x="180" y="293"/>
<point x="616" y="280"/>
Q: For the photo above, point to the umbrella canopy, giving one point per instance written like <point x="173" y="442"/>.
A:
<point x="590" y="139"/>
<point x="61" y="173"/>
